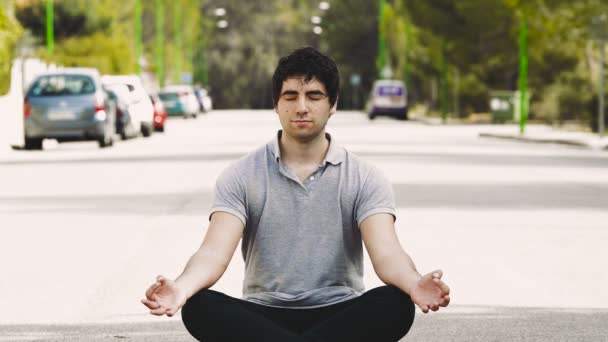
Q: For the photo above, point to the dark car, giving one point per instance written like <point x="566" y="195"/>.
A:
<point x="68" y="105"/>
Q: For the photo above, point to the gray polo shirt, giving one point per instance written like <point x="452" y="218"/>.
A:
<point x="301" y="244"/>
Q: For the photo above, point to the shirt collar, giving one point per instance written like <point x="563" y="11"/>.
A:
<point x="335" y="154"/>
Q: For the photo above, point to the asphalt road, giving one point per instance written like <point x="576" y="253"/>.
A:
<point x="519" y="230"/>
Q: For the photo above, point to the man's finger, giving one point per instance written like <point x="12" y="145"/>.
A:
<point x="150" y="304"/>
<point x="442" y="285"/>
<point x="445" y="301"/>
<point x="171" y="312"/>
<point x="159" y="311"/>
<point x="424" y="308"/>
<point x="434" y="306"/>
<point x="152" y="289"/>
<point x="437" y="274"/>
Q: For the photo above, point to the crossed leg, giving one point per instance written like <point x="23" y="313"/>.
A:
<point x="382" y="314"/>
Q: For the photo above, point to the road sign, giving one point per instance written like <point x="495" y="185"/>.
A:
<point x="186" y="78"/>
<point x="387" y="72"/>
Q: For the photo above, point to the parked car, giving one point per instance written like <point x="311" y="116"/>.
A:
<point x="388" y="97"/>
<point x="204" y="100"/>
<point x="141" y="108"/>
<point x="160" y="114"/>
<point x="125" y="124"/>
<point x="69" y="104"/>
<point x="180" y="100"/>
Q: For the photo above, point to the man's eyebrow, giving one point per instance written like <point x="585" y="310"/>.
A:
<point x="289" y="92"/>
<point x="315" y="92"/>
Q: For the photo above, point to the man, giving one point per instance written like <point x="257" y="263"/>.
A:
<point x="303" y="207"/>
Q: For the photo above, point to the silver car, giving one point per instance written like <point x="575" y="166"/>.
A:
<point x="68" y="105"/>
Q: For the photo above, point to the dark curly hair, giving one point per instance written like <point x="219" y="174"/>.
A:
<point x="310" y="63"/>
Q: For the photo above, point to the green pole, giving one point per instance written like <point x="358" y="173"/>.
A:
<point x="177" y="40"/>
<point x="50" y="34"/>
<point x="408" y="46"/>
<point x="523" y="74"/>
<point x="188" y="38"/>
<point x="138" y="36"/>
<point x="443" y="84"/>
<point x="381" y="62"/>
<point x="160" y="72"/>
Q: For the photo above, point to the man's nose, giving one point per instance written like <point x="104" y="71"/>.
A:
<point x="301" y="106"/>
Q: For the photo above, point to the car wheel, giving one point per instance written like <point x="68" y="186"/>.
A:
<point x="160" y="129"/>
<point x="33" y="144"/>
<point x="405" y="116"/>
<point x="146" y="130"/>
<point x="107" y="139"/>
<point x="371" y="116"/>
<point x="128" y="132"/>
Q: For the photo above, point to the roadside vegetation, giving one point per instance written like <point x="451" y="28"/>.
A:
<point x="469" y="45"/>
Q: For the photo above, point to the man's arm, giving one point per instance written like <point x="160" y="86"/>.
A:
<point x="211" y="260"/>
<point x="204" y="268"/>
<point x="395" y="267"/>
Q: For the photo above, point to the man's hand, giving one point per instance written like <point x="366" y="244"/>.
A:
<point x="164" y="297"/>
<point x="431" y="292"/>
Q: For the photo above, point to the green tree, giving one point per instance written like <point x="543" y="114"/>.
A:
<point x="9" y="35"/>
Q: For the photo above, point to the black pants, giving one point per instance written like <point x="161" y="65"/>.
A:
<point x="381" y="314"/>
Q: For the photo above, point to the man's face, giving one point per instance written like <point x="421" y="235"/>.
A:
<point x="303" y="108"/>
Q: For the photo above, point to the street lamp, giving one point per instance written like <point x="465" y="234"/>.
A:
<point x="219" y="12"/>
<point x="317" y="30"/>
<point x="324" y="5"/>
<point x="315" y="19"/>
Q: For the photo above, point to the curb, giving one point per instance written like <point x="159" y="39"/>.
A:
<point x="539" y="140"/>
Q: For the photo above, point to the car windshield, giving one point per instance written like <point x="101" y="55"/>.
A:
<point x="168" y="96"/>
<point x="390" y="90"/>
<point x="57" y="85"/>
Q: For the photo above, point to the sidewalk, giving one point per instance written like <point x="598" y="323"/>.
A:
<point x="535" y="133"/>
<point x="550" y="135"/>
<point x="458" y="324"/>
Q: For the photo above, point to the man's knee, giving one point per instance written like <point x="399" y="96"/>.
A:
<point x="395" y="301"/>
<point x="402" y="300"/>
<point x="197" y="306"/>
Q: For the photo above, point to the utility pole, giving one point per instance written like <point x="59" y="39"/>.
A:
<point x="408" y="45"/>
<point x="177" y="21"/>
<point x="381" y="62"/>
<point x="443" y="85"/>
<point x="138" y="36"/>
<point x="456" y="109"/>
<point x="50" y="33"/>
<point x="523" y="74"/>
<point x="600" y="127"/>
<point x="160" y="72"/>
<point x="599" y="32"/>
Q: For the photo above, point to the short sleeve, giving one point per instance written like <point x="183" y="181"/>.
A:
<point x="375" y="196"/>
<point x="229" y="195"/>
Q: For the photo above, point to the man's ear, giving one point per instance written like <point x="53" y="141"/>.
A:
<point x="333" y="108"/>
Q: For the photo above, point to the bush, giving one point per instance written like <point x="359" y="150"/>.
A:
<point x="9" y="34"/>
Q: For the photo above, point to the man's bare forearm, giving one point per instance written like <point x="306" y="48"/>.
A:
<point x="203" y="270"/>
<point x="397" y="269"/>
